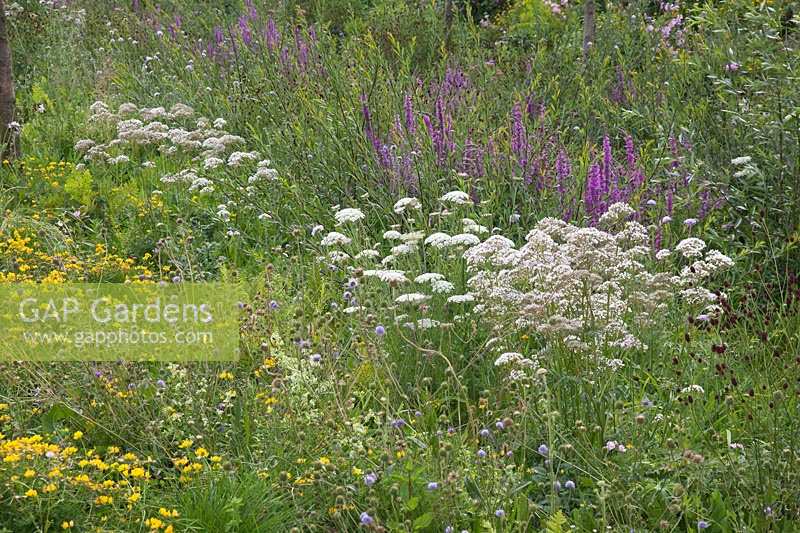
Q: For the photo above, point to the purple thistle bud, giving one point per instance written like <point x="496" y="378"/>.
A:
<point x="569" y="485"/>
<point x="366" y="519"/>
<point x="380" y="331"/>
<point x="543" y="450"/>
<point x="484" y="433"/>
<point x="370" y="479"/>
<point x="500" y="513"/>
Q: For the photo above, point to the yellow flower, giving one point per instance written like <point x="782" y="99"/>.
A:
<point x="168" y="514"/>
<point x="29" y="473"/>
<point x="135" y="497"/>
<point x="154" y="523"/>
<point x="357" y="471"/>
<point x="216" y="459"/>
<point x="31" y="493"/>
<point x="225" y="375"/>
<point x="67" y="525"/>
<point x="138" y="472"/>
<point x="78" y="435"/>
<point x="201" y="452"/>
<point x="50" y="487"/>
<point x="104" y="500"/>
<point x="169" y="529"/>
<point x="185" y="444"/>
<point x="324" y="461"/>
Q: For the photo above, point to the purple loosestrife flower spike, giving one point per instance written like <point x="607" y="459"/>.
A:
<point x="594" y="193"/>
<point x="273" y="38"/>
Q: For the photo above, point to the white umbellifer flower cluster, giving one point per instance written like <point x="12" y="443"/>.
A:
<point x="334" y="238"/>
<point x="456" y="197"/>
<point x="585" y="288"/>
<point x="208" y="146"/>
<point x="691" y="247"/>
<point x="411" y="298"/>
<point x="349" y="214"/>
<point x="404" y="204"/>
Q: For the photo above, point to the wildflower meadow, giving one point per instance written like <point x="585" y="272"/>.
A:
<point x="498" y="265"/>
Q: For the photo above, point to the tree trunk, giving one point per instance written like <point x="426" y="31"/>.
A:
<point x="8" y="135"/>
<point x="588" y="26"/>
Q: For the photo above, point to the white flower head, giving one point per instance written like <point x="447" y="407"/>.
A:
<point x="406" y="203"/>
<point x="336" y="238"/>
<point x="411" y="298"/>
<point x="456" y="197"/>
<point x="349" y="214"/>
<point x="437" y="240"/>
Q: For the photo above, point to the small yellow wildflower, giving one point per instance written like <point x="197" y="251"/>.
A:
<point x="78" y="435"/>
<point x="201" y="452"/>
<point x="67" y="525"/>
<point x="185" y="444"/>
<point x="153" y="523"/>
<point x="31" y="493"/>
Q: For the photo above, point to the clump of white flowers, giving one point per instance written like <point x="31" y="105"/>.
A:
<point x="586" y="289"/>
<point x="202" y="148"/>
<point x="590" y="291"/>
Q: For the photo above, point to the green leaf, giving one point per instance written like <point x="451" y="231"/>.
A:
<point x="413" y="503"/>
<point x="423" y="521"/>
<point x="554" y="523"/>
